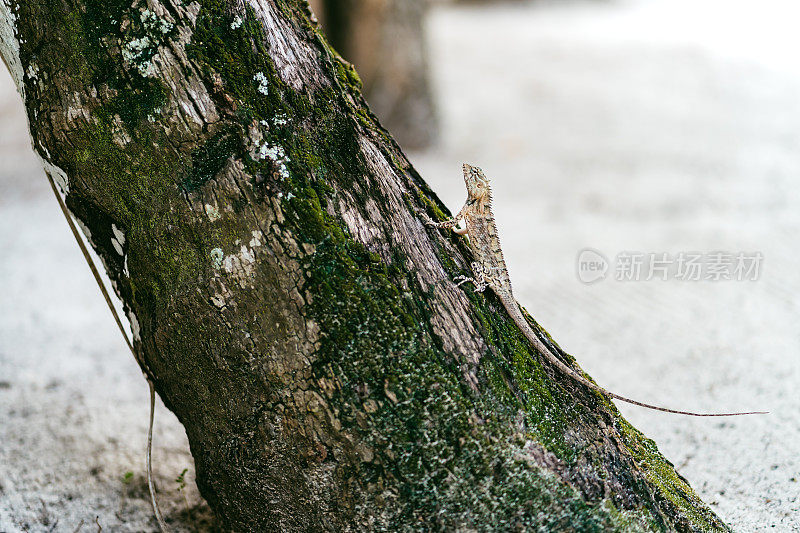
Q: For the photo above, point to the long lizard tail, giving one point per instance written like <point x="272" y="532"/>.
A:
<point x="513" y="309"/>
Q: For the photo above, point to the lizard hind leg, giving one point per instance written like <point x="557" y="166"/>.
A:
<point x="478" y="280"/>
<point x="480" y="276"/>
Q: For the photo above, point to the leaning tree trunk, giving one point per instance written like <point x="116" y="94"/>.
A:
<point x="263" y="234"/>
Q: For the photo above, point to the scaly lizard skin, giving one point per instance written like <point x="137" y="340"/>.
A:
<point x="490" y="271"/>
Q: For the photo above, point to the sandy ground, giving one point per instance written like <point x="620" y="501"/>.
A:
<point x="659" y="126"/>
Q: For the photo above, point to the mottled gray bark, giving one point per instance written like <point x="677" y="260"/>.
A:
<point x="261" y="230"/>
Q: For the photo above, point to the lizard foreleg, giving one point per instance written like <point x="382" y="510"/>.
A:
<point x="446" y="224"/>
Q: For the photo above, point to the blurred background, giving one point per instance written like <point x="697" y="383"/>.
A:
<point x="656" y="126"/>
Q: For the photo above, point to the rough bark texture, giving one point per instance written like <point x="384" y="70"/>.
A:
<point x="261" y="230"/>
<point x="386" y="41"/>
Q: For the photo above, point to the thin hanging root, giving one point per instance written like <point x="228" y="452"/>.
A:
<point x="150" y="485"/>
<point x="89" y="262"/>
<point x="161" y="525"/>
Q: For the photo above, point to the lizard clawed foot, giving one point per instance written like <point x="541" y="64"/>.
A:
<point x="480" y="285"/>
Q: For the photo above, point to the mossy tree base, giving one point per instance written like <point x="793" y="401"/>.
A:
<point x="262" y="232"/>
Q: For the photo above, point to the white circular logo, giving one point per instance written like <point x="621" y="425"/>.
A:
<point x="592" y="266"/>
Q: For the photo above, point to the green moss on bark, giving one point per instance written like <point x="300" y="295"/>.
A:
<point x="456" y="454"/>
<point x="394" y="386"/>
<point x="427" y="448"/>
<point x="210" y="158"/>
<point x="671" y="485"/>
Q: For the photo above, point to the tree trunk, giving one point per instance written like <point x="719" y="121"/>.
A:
<point x="262" y="232"/>
<point x="386" y="41"/>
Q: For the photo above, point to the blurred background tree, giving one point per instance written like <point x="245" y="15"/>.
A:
<point x="386" y="41"/>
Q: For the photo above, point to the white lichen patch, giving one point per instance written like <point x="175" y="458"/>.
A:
<point x="75" y="107"/>
<point x="192" y="10"/>
<point x="32" y="71"/>
<point x="9" y="44"/>
<point x="263" y="83"/>
<point x="140" y="50"/>
<point x="86" y="232"/>
<point x="57" y="173"/>
<point x="240" y="265"/>
<point x="135" y="328"/>
<point x="118" y="234"/>
<point x="212" y="212"/>
<point x="151" y="22"/>
<point x="118" y="240"/>
<point x="135" y="51"/>
<point x="217" y="255"/>
<point x="276" y="154"/>
<point x="237" y="22"/>
<point x="281" y="119"/>
<point x="257" y="240"/>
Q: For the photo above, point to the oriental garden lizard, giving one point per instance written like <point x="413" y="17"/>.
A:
<point x="489" y="270"/>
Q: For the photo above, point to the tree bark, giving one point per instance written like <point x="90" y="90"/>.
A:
<point x="262" y="232"/>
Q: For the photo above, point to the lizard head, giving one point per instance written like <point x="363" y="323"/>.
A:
<point x="478" y="189"/>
